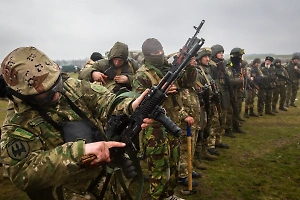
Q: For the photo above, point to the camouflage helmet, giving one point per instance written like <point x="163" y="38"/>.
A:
<point x="28" y="71"/>
<point x="206" y="51"/>
<point x="215" y="49"/>
<point x="236" y="52"/>
<point x="256" y="60"/>
<point x="295" y="56"/>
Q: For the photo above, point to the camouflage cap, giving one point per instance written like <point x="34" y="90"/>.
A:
<point x="206" y="51"/>
<point x="29" y="71"/>
<point x="244" y="64"/>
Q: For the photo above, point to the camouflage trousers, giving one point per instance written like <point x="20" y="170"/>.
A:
<point x="264" y="100"/>
<point x="162" y="151"/>
<point x="280" y="90"/>
<point x="183" y="166"/>
<point x="249" y="101"/>
<point x="291" y="91"/>
<point x="215" y="128"/>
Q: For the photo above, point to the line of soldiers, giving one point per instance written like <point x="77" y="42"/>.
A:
<point x="207" y="98"/>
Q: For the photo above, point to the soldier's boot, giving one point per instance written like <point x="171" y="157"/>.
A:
<point x="229" y="133"/>
<point x="281" y="107"/>
<point x="207" y="156"/>
<point x="237" y="129"/>
<point x="293" y="104"/>
<point x="287" y="104"/>
<point x="246" y="114"/>
<point x="252" y="113"/>
<point x="197" y="162"/>
<point x="274" y="109"/>
<point x="269" y="112"/>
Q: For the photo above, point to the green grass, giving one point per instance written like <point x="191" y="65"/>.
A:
<point x="263" y="164"/>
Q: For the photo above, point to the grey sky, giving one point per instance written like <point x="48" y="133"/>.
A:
<point x="73" y="29"/>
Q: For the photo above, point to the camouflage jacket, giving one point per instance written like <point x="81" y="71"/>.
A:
<point x="148" y="76"/>
<point x="37" y="156"/>
<point x="294" y="74"/>
<point x="269" y="77"/>
<point x="107" y="67"/>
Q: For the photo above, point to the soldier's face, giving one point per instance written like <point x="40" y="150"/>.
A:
<point x="295" y="61"/>
<point x="220" y="55"/>
<point x="268" y="62"/>
<point x="205" y="60"/>
<point x="118" y="62"/>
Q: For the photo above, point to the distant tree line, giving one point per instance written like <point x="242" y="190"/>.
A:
<point x="78" y="62"/>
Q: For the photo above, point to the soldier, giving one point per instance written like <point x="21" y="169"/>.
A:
<point x="280" y="89"/>
<point x="255" y="74"/>
<point x="266" y="86"/>
<point x="234" y="71"/>
<point x="161" y="147"/>
<point x="217" y="60"/>
<point x="293" y="69"/>
<point x="212" y="130"/>
<point x="115" y="72"/>
<point x="48" y="110"/>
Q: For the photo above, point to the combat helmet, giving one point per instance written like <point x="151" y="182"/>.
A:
<point x="295" y="56"/>
<point x="215" y="49"/>
<point x="28" y="72"/>
<point x="206" y="51"/>
<point x="237" y="52"/>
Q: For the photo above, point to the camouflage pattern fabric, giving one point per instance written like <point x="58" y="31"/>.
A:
<point x="106" y="66"/>
<point x="35" y="151"/>
<point x="280" y="89"/>
<point x="213" y="125"/>
<point x="161" y="147"/>
<point x="237" y="83"/>
<point x="192" y="107"/>
<point x="294" y="75"/>
<point x="266" y="87"/>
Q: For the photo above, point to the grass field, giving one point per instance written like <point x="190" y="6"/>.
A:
<point x="263" y="164"/>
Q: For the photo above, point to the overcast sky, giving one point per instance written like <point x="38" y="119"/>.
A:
<point x="73" y="29"/>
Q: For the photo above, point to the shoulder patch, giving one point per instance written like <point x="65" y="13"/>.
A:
<point x="17" y="149"/>
<point x="21" y="133"/>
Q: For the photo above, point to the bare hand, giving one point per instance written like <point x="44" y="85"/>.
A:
<point x="99" y="76"/>
<point x="190" y="120"/>
<point x="172" y="89"/>
<point x="101" y="150"/>
<point x="121" y="79"/>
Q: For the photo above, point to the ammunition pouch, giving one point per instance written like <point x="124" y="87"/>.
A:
<point x="80" y="130"/>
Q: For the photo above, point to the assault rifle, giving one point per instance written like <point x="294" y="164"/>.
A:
<point x="178" y="59"/>
<point x="127" y="129"/>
